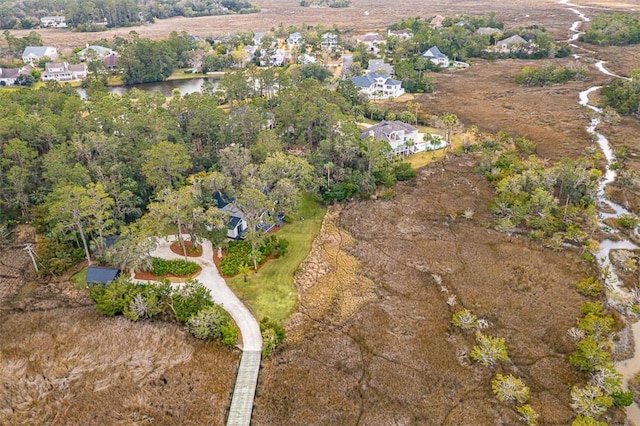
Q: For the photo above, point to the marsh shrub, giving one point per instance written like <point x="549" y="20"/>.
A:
<point x="213" y="322"/>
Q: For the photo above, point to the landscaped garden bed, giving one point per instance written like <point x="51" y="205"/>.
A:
<point x="192" y="250"/>
<point x="239" y="254"/>
<point x="174" y="270"/>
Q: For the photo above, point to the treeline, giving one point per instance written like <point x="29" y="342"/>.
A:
<point x="613" y="30"/>
<point x="328" y="3"/>
<point x="623" y="95"/>
<point x="98" y="14"/>
<point x="550" y="74"/>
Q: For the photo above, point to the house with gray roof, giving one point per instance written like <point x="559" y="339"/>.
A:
<point x="35" y="53"/>
<point x="436" y="56"/>
<point x="372" y="41"/>
<point x="511" y="44"/>
<point x="378" y="65"/>
<point x="63" y="71"/>
<point x="403" y="138"/>
<point x="94" y="51"/>
<point x="488" y="31"/>
<point x="8" y="76"/>
<point x="295" y="39"/>
<point x="378" y="85"/>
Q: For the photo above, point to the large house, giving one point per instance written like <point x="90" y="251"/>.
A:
<point x="237" y="224"/>
<point x="372" y="41"/>
<point x="8" y="76"/>
<point x="403" y="34"/>
<point x="378" y="85"/>
<point x="329" y="41"/>
<point x="403" y="138"/>
<point x="295" y="39"/>
<point x="35" y="53"/>
<point x="53" y="22"/>
<point x="436" y="57"/>
<point x="93" y="51"/>
<point x="63" y="71"/>
<point x="378" y="65"/>
<point x="511" y="44"/>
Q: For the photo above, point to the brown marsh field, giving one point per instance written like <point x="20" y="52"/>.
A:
<point x="371" y="342"/>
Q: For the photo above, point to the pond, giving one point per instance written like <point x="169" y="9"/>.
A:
<point x="165" y="87"/>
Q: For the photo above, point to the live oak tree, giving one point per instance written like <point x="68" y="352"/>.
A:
<point x="165" y="165"/>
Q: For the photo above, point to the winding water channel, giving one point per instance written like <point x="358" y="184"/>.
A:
<point x="618" y="295"/>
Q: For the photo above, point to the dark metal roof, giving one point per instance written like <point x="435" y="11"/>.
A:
<point x="233" y="222"/>
<point x="101" y="274"/>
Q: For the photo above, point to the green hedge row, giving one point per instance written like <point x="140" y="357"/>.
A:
<point x="179" y="267"/>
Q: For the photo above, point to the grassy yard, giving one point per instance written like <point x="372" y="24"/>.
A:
<point x="79" y="279"/>
<point x="270" y="292"/>
<point x="424" y="158"/>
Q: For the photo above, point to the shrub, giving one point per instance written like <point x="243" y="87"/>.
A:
<point x="590" y="353"/>
<point x="590" y="401"/>
<point x="112" y="299"/>
<point x="589" y="287"/>
<point x="404" y="171"/>
<point x="464" y="319"/>
<point x="622" y="399"/>
<point x="213" y="322"/>
<point x="189" y="299"/>
<point x="509" y="388"/>
<point x="628" y="221"/>
<point x="178" y="267"/>
<point x="272" y="336"/>
<point x="239" y="254"/>
<point x="490" y="350"/>
<point x="528" y="415"/>
<point x="581" y="420"/>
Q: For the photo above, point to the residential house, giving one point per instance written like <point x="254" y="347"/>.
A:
<point x="63" y="71"/>
<point x="8" y="76"/>
<point x="93" y="52"/>
<point x="35" y="53"/>
<point x="372" y="41"/>
<point x="272" y="58"/>
<point x="111" y="61"/>
<point x="489" y="31"/>
<point x="403" y="34"/>
<point x="403" y="138"/>
<point x="101" y="275"/>
<point x="436" y="57"/>
<point x="511" y="44"/>
<point x="378" y="65"/>
<point x="53" y="22"/>
<point x="295" y="39"/>
<point x="437" y="21"/>
<point x="257" y="38"/>
<point x="306" y="59"/>
<point x="329" y="41"/>
<point x="378" y="85"/>
<point x="237" y="224"/>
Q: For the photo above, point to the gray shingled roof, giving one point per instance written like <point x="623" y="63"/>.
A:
<point x="101" y="274"/>
<point x="365" y="81"/>
<point x="514" y="39"/>
<point x="382" y="130"/>
<point x="434" y="53"/>
<point x="37" y="51"/>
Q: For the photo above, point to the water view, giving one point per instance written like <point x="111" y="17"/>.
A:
<point x="165" y="87"/>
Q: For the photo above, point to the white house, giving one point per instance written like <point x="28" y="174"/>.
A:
<point x="403" y="34"/>
<point x="329" y="41"/>
<point x="372" y="41"/>
<point x="8" y="76"/>
<point x="378" y="85"/>
<point x="436" y="57"/>
<point x="272" y="57"/>
<point x="53" y="22"/>
<point x="403" y="138"/>
<point x="306" y="59"/>
<point x="295" y="39"/>
<point x="35" y="53"/>
<point x="63" y="71"/>
<point x="510" y="44"/>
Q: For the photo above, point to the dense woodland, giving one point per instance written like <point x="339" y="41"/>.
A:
<point x="623" y="95"/>
<point x="81" y="170"/>
<point x="97" y="14"/>
<point x="613" y="30"/>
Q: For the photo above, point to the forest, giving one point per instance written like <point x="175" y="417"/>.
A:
<point x="613" y="30"/>
<point x="81" y="170"/>
<point x="96" y="14"/>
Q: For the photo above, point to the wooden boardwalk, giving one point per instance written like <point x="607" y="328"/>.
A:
<point x="244" y="392"/>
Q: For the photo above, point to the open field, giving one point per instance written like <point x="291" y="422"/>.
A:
<point x="371" y="341"/>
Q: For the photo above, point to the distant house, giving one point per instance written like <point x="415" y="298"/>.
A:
<point x="329" y="41"/>
<point x="378" y="85"/>
<point x="403" y="34"/>
<point x="94" y="52"/>
<point x="436" y="57"/>
<point x="403" y="138"/>
<point x="35" y="53"/>
<point x="8" y="76"/>
<point x="488" y="31"/>
<point x="63" y="71"/>
<point x="306" y="59"/>
<point x="511" y="44"/>
<point x="437" y="21"/>
<point x="295" y="39"/>
<point x="378" y="65"/>
<point x="111" y="61"/>
<point x="237" y="224"/>
<point x="372" y="41"/>
<point x="272" y="58"/>
<point x="53" y="22"/>
<point x="101" y="275"/>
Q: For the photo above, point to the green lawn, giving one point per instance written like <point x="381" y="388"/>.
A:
<point x="79" y="279"/>
<point x="270" y="292"/>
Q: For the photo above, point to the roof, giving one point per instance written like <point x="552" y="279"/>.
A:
<point x="488" y="31"/>
<point x="514" y="39"/>
<point x="77" y="67"/>
<point x="38" y="51"/>
<point x="101" y="50"/>
<point x="371" y="37"/>
<point x="101" y="274"/>
<point x="9" y="72"/>
<point x="365" y="81"/>
<point x="434" y="53"/>
<point x="111" y="60"/>
<point x="234" y="222"/>
<point x="111" y="240"/>
<point x="382" y="130"/>
<point x="378" y="64"/>
<point x="222" y="200"/>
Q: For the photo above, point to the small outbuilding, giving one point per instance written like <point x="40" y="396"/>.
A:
<point x="101" y="275"/>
